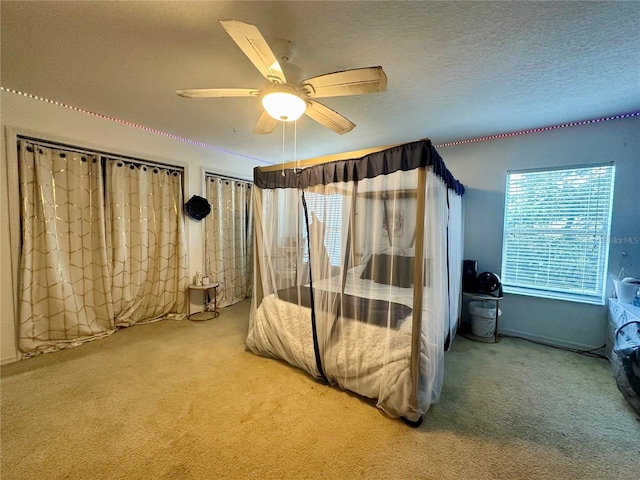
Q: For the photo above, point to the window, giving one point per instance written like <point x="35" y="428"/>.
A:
<point x="556" y="232"/>
<point x="328" y="209"/>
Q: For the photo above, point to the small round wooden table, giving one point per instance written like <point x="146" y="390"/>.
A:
<point x="204" y="315"/>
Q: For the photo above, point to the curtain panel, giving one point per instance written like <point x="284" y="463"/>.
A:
<point x="102" y="246"/>
<point x="65" y="288"/>
<point x="147" y="242"/>
<point x="229" y="238"/>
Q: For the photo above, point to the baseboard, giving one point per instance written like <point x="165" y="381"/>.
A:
<point x="552" y="342"/>
<point x="9" y="359"/>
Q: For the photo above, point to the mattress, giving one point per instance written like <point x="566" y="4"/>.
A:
<point x="368" y="359"/>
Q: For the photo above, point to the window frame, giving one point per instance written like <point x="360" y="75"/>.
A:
<point x="592" y="296"/>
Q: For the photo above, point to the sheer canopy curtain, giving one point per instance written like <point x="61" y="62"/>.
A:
<point x="229" y="238"/>
<point x="373" y="291"/>
<point x="147" y="245"/>
<point x="65" y="286"/>
<point x="103" y="245"/>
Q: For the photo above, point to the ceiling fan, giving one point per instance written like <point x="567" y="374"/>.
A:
<point x="287" y="98"/>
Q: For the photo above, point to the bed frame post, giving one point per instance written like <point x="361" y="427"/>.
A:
<point x="418" y="278"/>
<point x="351" y="233"/>
<point x="258" y="290"/>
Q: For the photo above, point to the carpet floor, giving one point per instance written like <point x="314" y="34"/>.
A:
<point x="185" y="400"/>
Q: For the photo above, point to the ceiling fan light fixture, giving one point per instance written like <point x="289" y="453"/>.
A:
<point x="284" y="106"/>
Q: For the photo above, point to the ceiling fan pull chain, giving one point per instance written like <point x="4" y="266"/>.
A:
<point x="295" y="145"/>
<point x="283" y="157"/>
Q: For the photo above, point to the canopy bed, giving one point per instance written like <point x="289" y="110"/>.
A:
<point x="357" y="272"/>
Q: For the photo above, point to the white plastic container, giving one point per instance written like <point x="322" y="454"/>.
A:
<point x="626" y="288"/>
<point x="483" y="318"/>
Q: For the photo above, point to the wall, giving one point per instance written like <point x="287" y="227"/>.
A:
<point x="24" y="115"/>
<point x="482" y="168"/>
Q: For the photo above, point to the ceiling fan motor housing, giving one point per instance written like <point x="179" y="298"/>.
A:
<point x="285" y="50"/>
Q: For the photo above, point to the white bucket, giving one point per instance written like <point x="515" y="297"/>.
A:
<point x="483" y="319"/>
<point x="483" y="327"/>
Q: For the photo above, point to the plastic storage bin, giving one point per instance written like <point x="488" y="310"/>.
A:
<point x="483" y="318"/>
<point x="625" y="290"/>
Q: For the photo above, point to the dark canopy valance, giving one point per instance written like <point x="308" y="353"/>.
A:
<point x="400" y="158"/>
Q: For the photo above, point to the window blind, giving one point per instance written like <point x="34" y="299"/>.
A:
<point x="556" y="232"/>
<point x="328" y="209"/>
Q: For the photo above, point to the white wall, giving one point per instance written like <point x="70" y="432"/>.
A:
<point x="482" y="168"/>
<point x="24" y="115"/>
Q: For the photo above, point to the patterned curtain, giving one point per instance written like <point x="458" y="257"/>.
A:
<point x="229" y="238"/>
<point x="147" y="242"/>
<point x="64" y="283"/>
<point x="88" y="265"/>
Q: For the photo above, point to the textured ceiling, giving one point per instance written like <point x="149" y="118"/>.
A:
<point x="456" y="70"/>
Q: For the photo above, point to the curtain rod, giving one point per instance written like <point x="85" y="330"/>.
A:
<point x="227" y="177"/>
<point x="112" y="156"/>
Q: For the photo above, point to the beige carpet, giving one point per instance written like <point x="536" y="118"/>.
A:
<point x="184" y="400"/>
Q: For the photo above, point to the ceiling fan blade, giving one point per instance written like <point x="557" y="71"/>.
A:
<point x="218" y="92"/>
<point x="348" y="82"/>
<point x="266" y="124"/>
<point x="254" y="46"/>
<point x="328" y="118"/>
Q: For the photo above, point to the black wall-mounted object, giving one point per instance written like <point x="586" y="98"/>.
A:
<point x="197" y="207"/>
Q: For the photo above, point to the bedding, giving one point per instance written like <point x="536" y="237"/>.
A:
<point x="377" y="312"/>
<point x="369" y="359"/>
<point x="396" y="270"/>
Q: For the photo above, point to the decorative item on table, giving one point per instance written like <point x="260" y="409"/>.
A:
<point x="205" y="281"/>
<point x="198" y="280"/>
<point x="489" y="283"/>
